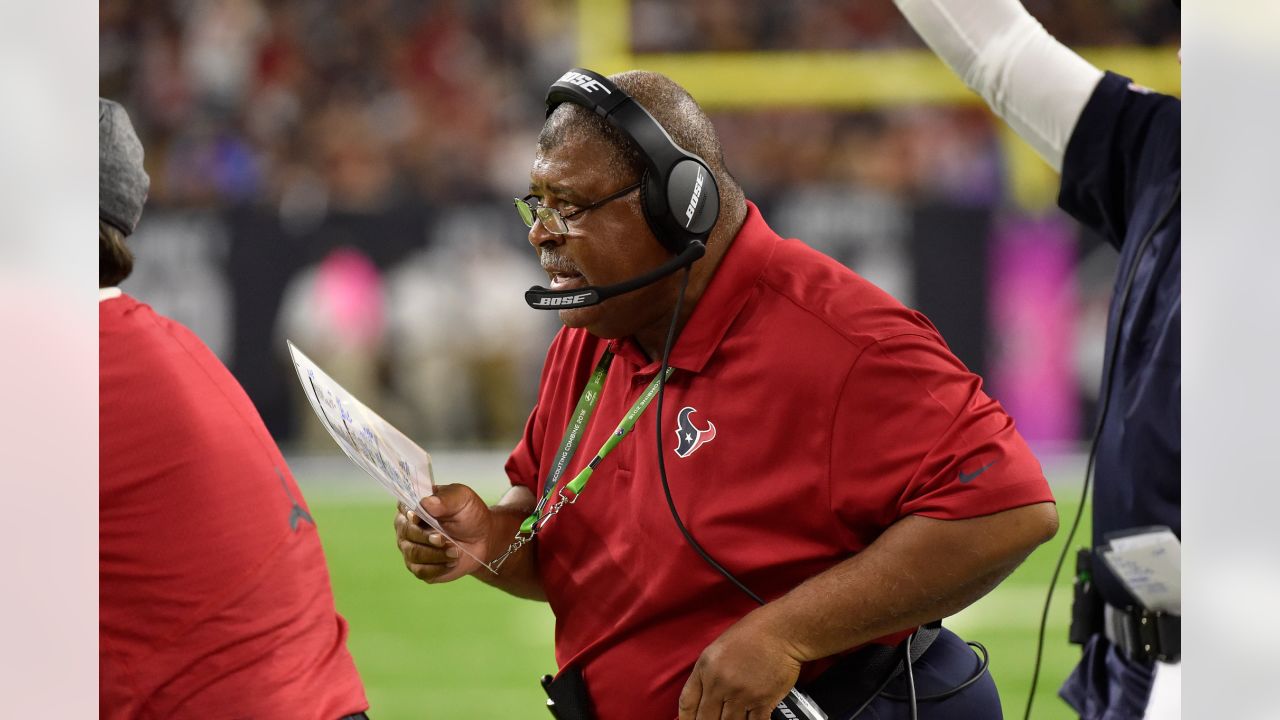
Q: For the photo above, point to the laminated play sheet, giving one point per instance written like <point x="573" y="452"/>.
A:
<point x="373" y="444"/>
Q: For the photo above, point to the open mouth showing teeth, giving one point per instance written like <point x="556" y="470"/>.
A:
<point x="566" y="279"/>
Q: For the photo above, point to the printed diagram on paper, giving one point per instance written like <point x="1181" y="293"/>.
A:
<point x="373" y="444"/>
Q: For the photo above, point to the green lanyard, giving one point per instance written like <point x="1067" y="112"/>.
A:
<point x="569" y="445"/>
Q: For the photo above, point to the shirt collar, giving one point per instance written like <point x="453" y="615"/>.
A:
<point x="722" y="301"/>
<point x="107" y="293"/>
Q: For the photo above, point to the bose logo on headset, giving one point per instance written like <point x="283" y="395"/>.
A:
<point x="570" y="300"/>
<point x="585" y="82"/>
<point x="693" y="199"/>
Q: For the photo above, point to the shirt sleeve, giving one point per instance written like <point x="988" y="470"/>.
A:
<point x="916" y="435"/>
<point x="526" y="458"/>
<point x="559" y="369"/>
<point x="522" y="464"/>
<point x="1127" y="137"/>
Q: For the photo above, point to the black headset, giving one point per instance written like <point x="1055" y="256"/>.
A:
<point x="678" y="193"/>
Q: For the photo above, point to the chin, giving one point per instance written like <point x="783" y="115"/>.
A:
<point x="583" y="317"/>
<point x="594" y="320"/>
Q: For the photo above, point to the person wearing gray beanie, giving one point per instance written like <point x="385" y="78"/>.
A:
<point x="122" y="181"/>
<point x="213" y="595"/>
<point x="123" y="184"/>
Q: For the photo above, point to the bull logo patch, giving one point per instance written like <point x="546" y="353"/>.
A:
<point x="691" y="437"/>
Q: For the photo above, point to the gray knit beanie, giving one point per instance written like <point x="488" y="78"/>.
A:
<point x="122" y="183"/>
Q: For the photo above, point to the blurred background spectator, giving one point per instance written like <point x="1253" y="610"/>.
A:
<point x="340" y="173"/>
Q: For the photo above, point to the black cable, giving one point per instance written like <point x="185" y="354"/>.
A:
<point x="1108" y="379"/>
<point x="911" y="677"/>
<point x="1057" y="568"/>
<point x="975" y="677"/>
<point x="662" y="465"/>
<point x="675" y="514"/>
<point x="888" y="678"/>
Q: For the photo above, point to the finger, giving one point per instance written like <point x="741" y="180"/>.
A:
<point x="690" y="697"/>
<point x="436" y="505"/>
<point x="732" y="711"/>
<point x="432" y="573"/>
<point x="406" y="520"/>
<point x="427" y="554"/>
<point x="764" y="711"/>
<point x="415" y="517"/>
<point x="710" y="707"/>
<point x="423" y="535"/>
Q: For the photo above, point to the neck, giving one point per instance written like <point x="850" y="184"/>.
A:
<point x="653" y="339"/>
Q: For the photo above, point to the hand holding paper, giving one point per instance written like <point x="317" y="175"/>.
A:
<point x="433" y="556"/>
<point x="373" y="444"/>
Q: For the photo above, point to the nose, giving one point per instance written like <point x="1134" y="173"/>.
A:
<point x="540" y="236"/>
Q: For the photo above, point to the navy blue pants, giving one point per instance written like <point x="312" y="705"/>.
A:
<point x="1108" y="686"/>
<point x="947" y="663"/>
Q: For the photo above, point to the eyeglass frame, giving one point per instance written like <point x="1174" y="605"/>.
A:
<point x="540" y="212"/>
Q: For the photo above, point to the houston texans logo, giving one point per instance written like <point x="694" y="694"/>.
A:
<point x="690" y="437"/>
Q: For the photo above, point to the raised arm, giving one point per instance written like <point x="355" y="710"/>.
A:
<point x="1032" y="81"/>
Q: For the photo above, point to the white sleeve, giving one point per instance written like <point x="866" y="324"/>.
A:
<point x="1032" y="81"/>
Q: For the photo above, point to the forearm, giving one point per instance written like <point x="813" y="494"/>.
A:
<point x="1029" y="79"/>
<point x="519" y="572"/>
<point x="904" y="579"/>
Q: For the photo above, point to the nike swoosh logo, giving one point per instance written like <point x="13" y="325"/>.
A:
<point x="968" y="477"/>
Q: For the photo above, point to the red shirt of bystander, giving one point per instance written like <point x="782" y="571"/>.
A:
<point x="214" y="599"/>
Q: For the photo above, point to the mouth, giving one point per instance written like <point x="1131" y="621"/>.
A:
<point x="563" y="274"/>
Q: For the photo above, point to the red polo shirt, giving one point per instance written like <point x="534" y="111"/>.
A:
<point x="836" y="412"/>
<point x="214" y="600"/>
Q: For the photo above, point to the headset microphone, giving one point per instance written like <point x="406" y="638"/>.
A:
<point x="541" y="298"/>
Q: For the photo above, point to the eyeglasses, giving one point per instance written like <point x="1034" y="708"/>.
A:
<point x="551" y="219"/>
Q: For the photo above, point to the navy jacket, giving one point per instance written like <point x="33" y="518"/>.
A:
<point x="1121" y="176"/>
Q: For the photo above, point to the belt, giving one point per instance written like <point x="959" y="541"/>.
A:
<point x="1143" y="635"/>
<point x="842" y="688"/>
<point x="856" y="677"/>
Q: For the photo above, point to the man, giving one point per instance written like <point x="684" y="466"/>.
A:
<point x="832" y="455"/>
<point x="214" y="600"/>
<point x="1118" y="146"/>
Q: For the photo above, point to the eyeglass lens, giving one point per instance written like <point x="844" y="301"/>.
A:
<point x="550" y="217"/>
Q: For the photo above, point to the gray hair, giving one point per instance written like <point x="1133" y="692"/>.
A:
<point x="671" y="105"/>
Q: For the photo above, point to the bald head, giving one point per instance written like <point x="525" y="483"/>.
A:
<point x="674" y="109"/>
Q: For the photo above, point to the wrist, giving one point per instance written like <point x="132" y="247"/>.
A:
<point x="772" y="621"/>
<point x="504" y="523"/>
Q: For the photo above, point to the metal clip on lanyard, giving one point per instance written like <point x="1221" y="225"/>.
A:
<point x="569" y="445"/>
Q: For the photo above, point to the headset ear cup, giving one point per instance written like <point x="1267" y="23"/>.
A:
<point x="653" y="199"/>
<point x="693" y="199"/>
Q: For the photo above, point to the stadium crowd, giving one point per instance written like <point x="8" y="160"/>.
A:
<point x="340" y="173"/>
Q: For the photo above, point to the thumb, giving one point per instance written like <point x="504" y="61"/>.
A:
<point x="690" y="696"/>
<point x="451" y="501"/>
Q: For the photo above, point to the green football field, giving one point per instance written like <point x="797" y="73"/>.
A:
<point x="466" y="650"/>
